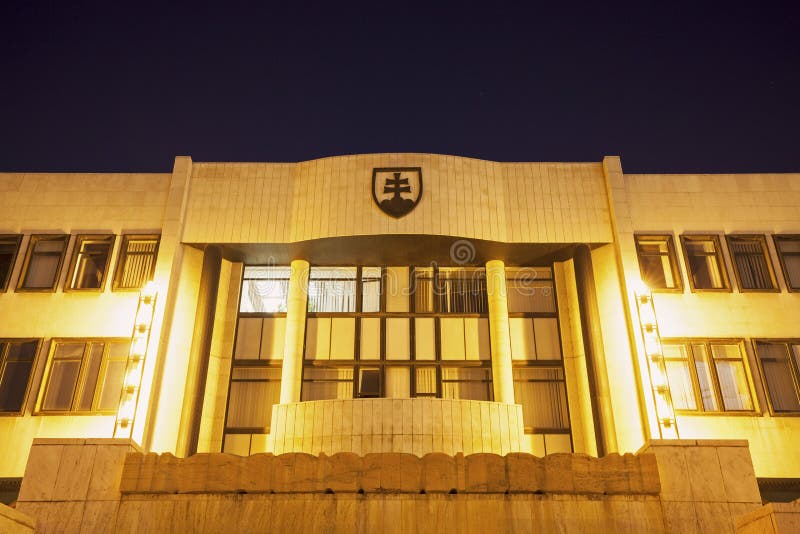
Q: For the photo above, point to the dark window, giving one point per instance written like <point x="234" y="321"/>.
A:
<point x="16" y="364"/>
<point x="707" y="375"/>
<point x="137" y="261"/>
<point x="450" y="290"/>
<point x="751" y="262"/>
<point x="9" y="246"/>
<point x="788" y="247"/>
<point x="780" y="363"/>
<point x="369" y="385"/>
<point x="90" y="259"/>
<point x="704" y="262"/>
<point x="657" y="263"/>
<point x="43" y="262"/>
<point x="85" y="375"/>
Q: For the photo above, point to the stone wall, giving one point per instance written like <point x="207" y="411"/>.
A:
<point x="92" y="487"/>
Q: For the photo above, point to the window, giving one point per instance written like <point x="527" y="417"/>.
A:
<point x="751" y="262"/>
<point x="320" y="383"/>
<point x="91" y="256"/>
<point x="657" y="263"/>
<point x="84" y="375"/>
<point x="137" y="261"/>
<point x="530" y="290"/>
<point x="780" y="363"/>
<point x="704" y="263"/>
<point x="16" y="364"/>
<point x="788" y="247"/>
<point x="43" y="262"/>
<point x="264" y="289"/>
<point x="450" y="290"/>
<point x="332" y="290"/>
<point x="707" y="375"/>
<point x="470" y="383"/>
<point x="9" y="246"/>
<point x="543" y="395"/>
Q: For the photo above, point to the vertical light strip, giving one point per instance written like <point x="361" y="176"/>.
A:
<point x="140" y="339"/>
<point x="656" y="366"/>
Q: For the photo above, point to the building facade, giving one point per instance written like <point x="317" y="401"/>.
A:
<point x="409" y="303"/>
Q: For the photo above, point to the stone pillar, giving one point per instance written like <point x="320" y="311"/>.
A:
<point x="201" y="350"/>
<point x="602" y="413"/>
<point x="500" y="336"/>
<point x="292" y="371"/>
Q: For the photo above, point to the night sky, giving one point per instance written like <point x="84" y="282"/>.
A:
<point x="669" y="87"/>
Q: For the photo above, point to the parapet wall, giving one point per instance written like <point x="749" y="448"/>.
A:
<point x="669" y="486"/>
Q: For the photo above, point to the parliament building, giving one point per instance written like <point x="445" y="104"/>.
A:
<point x="399" y="343"/>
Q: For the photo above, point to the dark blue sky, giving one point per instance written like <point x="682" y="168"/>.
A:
<point x="670" y="87"/>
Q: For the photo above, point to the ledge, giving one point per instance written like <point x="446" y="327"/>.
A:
<point x="391" y="473"/>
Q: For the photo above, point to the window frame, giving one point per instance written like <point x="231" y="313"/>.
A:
<point x="29" y="385"/>
<point x="32" y="242"/>
<point x="80" y="381"/>
<point x="762" y="240"/>
<point x="713" y="375"/>
<point x="718" y="254"/>
<point x="122" y="257"/>
<point x="794" y="369"/>
<point x="776" y="239"/>
<point x="76" y="253"/>
<point x="677" y="275"/>
<point x="10" y="238"/>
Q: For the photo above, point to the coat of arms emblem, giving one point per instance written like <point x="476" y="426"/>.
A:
<point x="397" y="190"/>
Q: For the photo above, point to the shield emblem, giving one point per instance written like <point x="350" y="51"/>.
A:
<point x="397" y="190"/>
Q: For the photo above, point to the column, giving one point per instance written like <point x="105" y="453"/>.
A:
<point x="292" y="371"/>
<point x="499" y="334"/>
<point x="591" y="330"/>
<point x="200" y="351"/>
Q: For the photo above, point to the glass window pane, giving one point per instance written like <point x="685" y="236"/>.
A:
<point x="792" y="264"/>
<point x="250" y="404"/>
<point x="13" y="384"/>
<point x="248" y="338"/>
<point x="273" y="334"/>
<point x="452" y="338"/>
<point x="398" y="339"/>
<point x="462" y="291"/>
<point x="542" y="394"/>
<point x="370" y="338"/>
<point x="530" y="290"/>
<point x="466" y="383"/>
<point x="680" y="385"/>
<point x="41" y="272"/>
<point x="425" y="334"/>
<point x="321" y="383"/>
<point x="8" y="253"/>
<point x="423" y="290"/>
<point x="138" y="261"/>
<point x="398" y="382"/>
<point x="523" y="346"/>
<point x="332" y="290"/>
<point x="369" y="383"/>
<point x="318" y="338"/>
<point x="782" y="390"/>
<point x="425" y="381"/>
<point x="703" y="264"/>
<point x="370" y="289"/>
<point x="733" y="385"/>
<point x="343" y="338"/>
<point x="750" y="261"/>
<point x="91" y="262"/>
<point x="112" y="385"/>
<point x="397" y="289"/>
<point x="95" y="358"/>
<point x="69" y="350"/>
<point x="547" y="339"/>
<point x="655" y="262"/>
<point x="704" y="377"/>
<point x="61" y="385"/>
